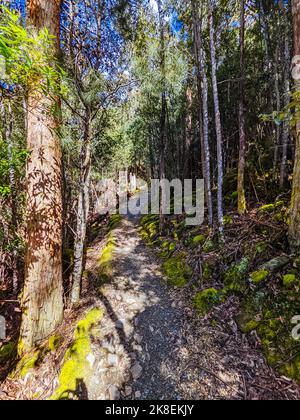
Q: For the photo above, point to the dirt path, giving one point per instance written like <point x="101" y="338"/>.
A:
<point x="157" y="348"/>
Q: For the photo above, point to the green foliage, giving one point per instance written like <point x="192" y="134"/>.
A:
<point x="29" y="58"/>
<point x="15" y="163"/>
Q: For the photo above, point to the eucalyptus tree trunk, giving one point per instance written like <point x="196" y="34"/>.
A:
<point x="242" y="206"/>
<point x="217" y="118"/>
<point x="83" y="207"/>
<point x="294" y="230"/>
<point x="43" y="291"/>
<point x="203" y="97"/>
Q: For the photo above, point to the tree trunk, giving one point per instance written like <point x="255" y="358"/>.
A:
<point x="278" y="106"/>
<point x="203" y="97"/>
<point x="188" y="133"/>
<point x="217" y="119"/>
<point x="294" y="230"/>
<point x="242" y="207"/>
<point x="43" y="292"/>
<point x="286" y="93"/>
<point x="163" y="116"/>
<point x="82" y="210"/>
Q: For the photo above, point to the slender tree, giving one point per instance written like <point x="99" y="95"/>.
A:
<point x="286" y="90"/>
<point x="91" y="46"/>
<point x="78" y="71"/>
<point x="43" y="292"/>
<point x="163" y="115"/>
<point x="217" y="116"/>
<point x="242" y="207"/>
<point x="203" y="99"/>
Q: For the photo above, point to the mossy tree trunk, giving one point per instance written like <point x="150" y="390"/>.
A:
<point x="294" y="231"/>
<point x="43" y="292"/>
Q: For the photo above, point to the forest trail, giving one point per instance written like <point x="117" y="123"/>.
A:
<point x="158" y="348"/>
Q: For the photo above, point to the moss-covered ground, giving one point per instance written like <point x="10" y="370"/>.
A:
<point x="252" y="265"/>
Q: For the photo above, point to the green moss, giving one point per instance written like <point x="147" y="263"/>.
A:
<point x="267" y="208"/>
<point x="175" y="236"/>
<point x="114" y="222"/>
<point x="165" y="249"/>
<point x="214" y="323"/>
<point x="251" y="326"/>
<point x="54" y="342"/>
<point x="198" y="240"/>
<point x="165" y="244"/>
<point x="292" y="369"/>
<point x="235" y="195"/>
<point x="289" y="280"/>
<point x="149" y="229"/>
<point x="28" y="362"/>
<point x="76" y="367"/>
<point x="270" y="314"/>
<point x="235" y="276"/>
<point x="261" y="248"/>
<point x="208" y="246"/>
<point x="279" y="204"/>
<point x="206" y="300"/>
<point x="259" y="276"/>
<point x="107" y="253"/>
<point x="297" y="263"/>
<point x="177" y="271"/>
<point x="207" y="271"/>
<point x="245" y="320"/>
<point x="7" y="351"/>
<point x="172" y="247"/>
<point x="227" y="220"/>
<point x="148" y="219"/>
<point x="104" y="269"/>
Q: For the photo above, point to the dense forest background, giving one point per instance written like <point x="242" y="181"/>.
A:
<point x="162" y="89"/>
